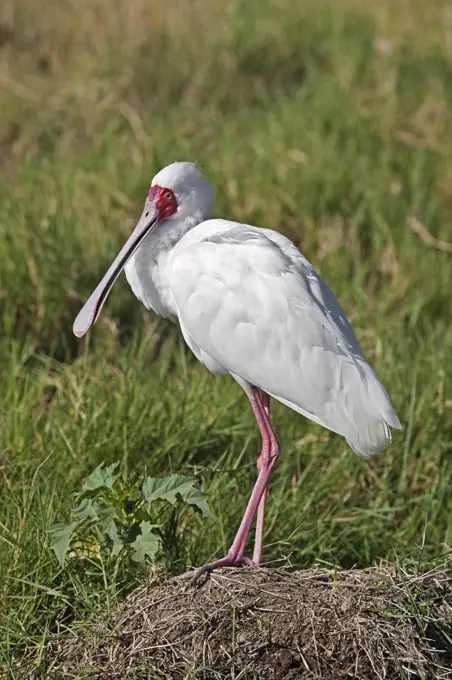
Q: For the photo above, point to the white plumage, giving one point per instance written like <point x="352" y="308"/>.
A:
<point x="249" y="304"/>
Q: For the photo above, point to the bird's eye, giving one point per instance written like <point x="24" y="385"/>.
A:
<point x="168" y="196"/>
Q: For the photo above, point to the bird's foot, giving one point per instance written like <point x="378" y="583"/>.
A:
<point x="248" y="562"/>
<point x="228" y="561"/>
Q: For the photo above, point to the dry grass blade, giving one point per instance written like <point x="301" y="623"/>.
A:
<point x="428" y="238"/>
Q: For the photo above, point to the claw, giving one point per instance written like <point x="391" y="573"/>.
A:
<point x="248" y="562"/>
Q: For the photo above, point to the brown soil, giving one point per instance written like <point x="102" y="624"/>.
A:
<point x="272" y="624"/>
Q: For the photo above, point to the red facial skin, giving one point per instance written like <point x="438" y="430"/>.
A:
<point x="164" y="201"/>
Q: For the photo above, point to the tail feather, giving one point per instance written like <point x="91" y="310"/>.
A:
<point x="360" y="409"/>
<point x="371" y="433"/>
<point x="377" y="439"/>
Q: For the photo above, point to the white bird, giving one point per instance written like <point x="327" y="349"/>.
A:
<point x="251" y="306"/>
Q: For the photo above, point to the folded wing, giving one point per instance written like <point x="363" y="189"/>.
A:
<point x="251" y="305"/>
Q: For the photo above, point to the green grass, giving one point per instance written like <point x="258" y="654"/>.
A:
<point x="332" y="125"/>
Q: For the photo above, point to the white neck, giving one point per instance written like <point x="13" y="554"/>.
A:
<point x="147" y="269"/>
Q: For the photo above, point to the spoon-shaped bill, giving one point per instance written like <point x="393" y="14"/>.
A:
<point x="90" y="311"/>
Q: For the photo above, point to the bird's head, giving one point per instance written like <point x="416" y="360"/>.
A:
<point x="179" y="194"/>
<point x="180" y="191"/>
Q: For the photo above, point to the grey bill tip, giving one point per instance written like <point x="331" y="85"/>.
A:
<point x="84" y="319"/>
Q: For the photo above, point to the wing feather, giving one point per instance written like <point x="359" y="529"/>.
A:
<point x="253" y="306"/>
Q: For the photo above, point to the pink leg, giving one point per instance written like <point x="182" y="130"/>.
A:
<point x="262" y="462"/>
<point x="236" y="553"/>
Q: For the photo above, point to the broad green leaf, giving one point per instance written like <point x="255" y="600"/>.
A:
<point x="107" y="522"/>
<point x="86" y="509"/>
<point x="101" y="478"/>
<point x="146" y="544"/>
<point x="61" y="538"/>
<point x="117" y="546"/>
<point x="107" y="516"/>
<point x="197" y="499"/>
<point x="172" y="488"/>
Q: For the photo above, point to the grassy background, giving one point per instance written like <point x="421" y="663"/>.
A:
<point x="329" y="122"/>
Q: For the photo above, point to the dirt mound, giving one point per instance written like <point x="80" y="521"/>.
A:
<point x="272" y="624"/>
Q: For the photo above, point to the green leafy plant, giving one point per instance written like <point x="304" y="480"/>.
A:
<point x="127" y="519"/>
